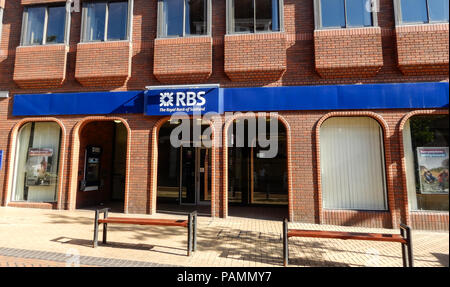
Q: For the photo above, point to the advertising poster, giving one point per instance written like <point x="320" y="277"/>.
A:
<point x="433" y="169"/>
<point x="39" y="166"/>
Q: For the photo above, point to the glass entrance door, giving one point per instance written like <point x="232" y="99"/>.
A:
<point x="195" y="175"/>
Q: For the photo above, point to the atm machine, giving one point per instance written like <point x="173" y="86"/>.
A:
<point x="92" y="166"/>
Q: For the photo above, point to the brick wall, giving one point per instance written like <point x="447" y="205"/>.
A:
<point x="422" y="49"/>
<point x="40" y="66"/>
<point x="103" y="64"/>
<point x="183" y="60"/>
<point x="255" y="57"/>
<point x="343" y="53"/>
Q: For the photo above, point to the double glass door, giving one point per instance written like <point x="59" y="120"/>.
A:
<point x="195" y="175"/>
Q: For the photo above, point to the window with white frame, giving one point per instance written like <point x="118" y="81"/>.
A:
<point x="106" y="21"/>
<point x="43" y="25"/>
<point x="253" y="16"/>
<point x="183" y="18"/>
<point x="352" y="164"/>
<point x="421" y="11"/>
<point x="344" y="14"/>
<point x="37" y="162"/>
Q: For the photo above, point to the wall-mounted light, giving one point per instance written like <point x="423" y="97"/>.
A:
<point x="4" y="94"/>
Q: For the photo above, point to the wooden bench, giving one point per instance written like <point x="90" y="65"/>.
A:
<point x="190" y="224"/>
<point x="404" y="238"/>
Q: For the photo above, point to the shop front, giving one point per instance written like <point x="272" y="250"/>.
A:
<point x="367" y="155"/>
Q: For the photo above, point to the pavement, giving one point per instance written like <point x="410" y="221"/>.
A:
<point x="33" y="237"/>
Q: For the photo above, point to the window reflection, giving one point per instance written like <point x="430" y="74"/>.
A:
<point x="196" y="17"/>
<point x="243" y="16"/>
<point x="184" y="17"/>
<point x="56" y="21"/>
<point x="438" y="10"/>
<point x="95" y="22"/>
<point x="426" y="140"/>
<point x="35" y="26"/>
<point x="255" y="15"/>
<point x="333" y="13"/>
<point x="117" y="20"/>
<point x="37" y="158"/>
<point x="345" y="13"/>
<point x="173" y="11"/>
<point x="414" y="11"/>
<point x="357" y="14"/>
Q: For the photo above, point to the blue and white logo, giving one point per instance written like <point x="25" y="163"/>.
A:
<point x="190" y="100"/>
<point x="166" y="99"/>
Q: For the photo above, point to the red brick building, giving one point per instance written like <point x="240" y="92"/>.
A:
<point x="359" y="88"/>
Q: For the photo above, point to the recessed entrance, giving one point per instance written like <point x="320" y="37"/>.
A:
<point x="102" y="165"/>
<point x="257" y="180"/>
<point x="184" y="171"/>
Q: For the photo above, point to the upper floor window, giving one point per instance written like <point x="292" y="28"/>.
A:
<point x="422" y="11"/>
<point x="252" y="16"/>
<point x="106" y="21"/>
<point x="44" y="25"/>
<point x="344" y="13"/>
<point x="179" y="18"/>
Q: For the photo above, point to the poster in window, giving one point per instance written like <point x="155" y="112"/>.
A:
<point x="39" y="166"/>
<point x="433" y="169"/>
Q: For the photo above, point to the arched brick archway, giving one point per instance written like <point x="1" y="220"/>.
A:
<point x="75" y="156"/>
<point x="154" y="167"/>
<point x="11" y="162"/>
<point x="228" y="122"/>
<point x="387" y="158"/>
<point x="402" y="155"/>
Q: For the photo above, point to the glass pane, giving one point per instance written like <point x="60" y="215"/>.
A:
<point x="267" y="15"/>
<point x="95" y="22"/>
<point x="188" y="175"/>
<point x="117" y="21"/>
<point x="333" y="13"/>
<point x="173" y="24"/>
<point x="37" y="162"/>
<point x="35" y="26"/>
<point x="270" y="179"/>
<point x="357" y="14"/>
<point x="414" y="11"/>
<point x="255" y="177"/>
<point x="429" y="148"/>
<point x="196" y="17"/>
<point x="168" y="166"/>
<point x="243" y="16"/>
<point x="56" y="24"/>
<point x="438" y="10"/>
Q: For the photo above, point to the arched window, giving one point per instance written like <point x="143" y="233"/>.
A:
<point x="37" y="158"/>
<point x="352" y="164"/>
<point x="425" y="144"/>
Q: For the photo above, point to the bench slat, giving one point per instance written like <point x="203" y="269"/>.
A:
<point x="144" y="221"/>
<point x="346" y="235"/>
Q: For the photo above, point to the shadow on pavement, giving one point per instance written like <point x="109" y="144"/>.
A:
<point x="120" y="245"/>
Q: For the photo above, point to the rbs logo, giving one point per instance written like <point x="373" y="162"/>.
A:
<point x="188" y="99"/>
